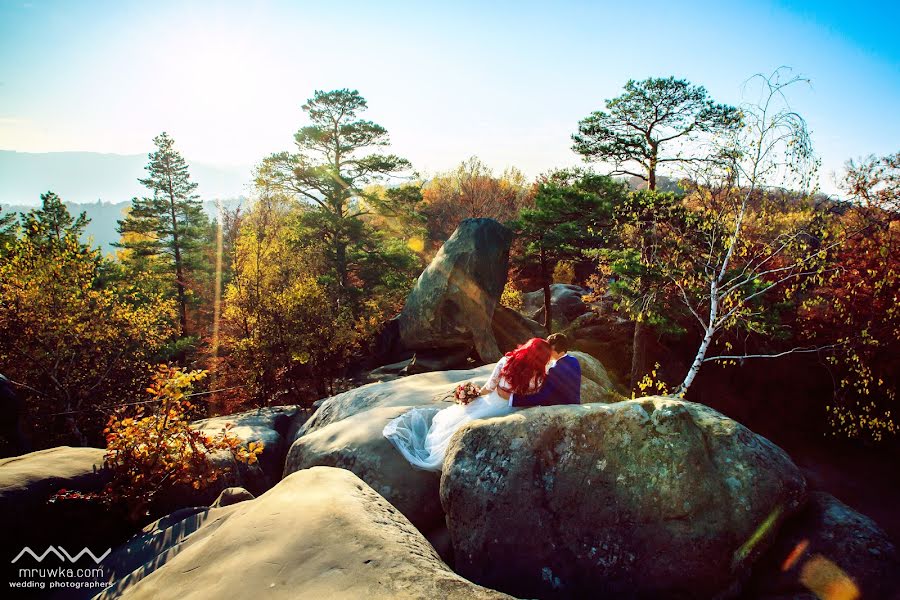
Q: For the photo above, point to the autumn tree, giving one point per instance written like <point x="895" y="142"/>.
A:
<point x="283" y="332"/>
<point x="398" y="212"/>
<point x="856" y="306"/>
<point x="647" y="228"/>
<point x="168" y="229"/>
<point x="151" y="447"/>
<point x="654" y="124"/>
<point x="571" y="214"/>
<point x="75" y="342"/>
<point x="472" y="190"/>
<point x="8" y="223"/>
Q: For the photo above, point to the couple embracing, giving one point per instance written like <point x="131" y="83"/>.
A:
<point x="538" y="373"/>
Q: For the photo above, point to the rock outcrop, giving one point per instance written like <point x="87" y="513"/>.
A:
<point x="415" y="390"/>
<point x="596" y="384"/>
<point x="27" y="518"/>
<point x="652" y="497"/>
<point x="273" y="426"/>
<point x="512" y="328"/>
<point x="320" y="533"/>
<point x="453" y="302"/>
<point x="830" y="550"/>
<point x="230" y="496"/>
<point x="346" y="432"/>
<point x="605" y="336"/>
<point x="566" y="304"/>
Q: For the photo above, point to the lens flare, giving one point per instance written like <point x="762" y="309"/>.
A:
<point x="827" y="580"/>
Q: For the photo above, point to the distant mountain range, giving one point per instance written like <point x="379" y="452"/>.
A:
<point x="89" y="176"/>
<point x="104" y="217"/>
<point x="102" y="185"/>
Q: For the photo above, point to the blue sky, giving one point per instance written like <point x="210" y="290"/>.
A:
<point x="507" y="81"/>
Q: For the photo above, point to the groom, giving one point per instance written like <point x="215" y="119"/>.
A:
<point x="563" y="382"/>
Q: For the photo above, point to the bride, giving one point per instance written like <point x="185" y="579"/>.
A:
<point x="422" y="434"/>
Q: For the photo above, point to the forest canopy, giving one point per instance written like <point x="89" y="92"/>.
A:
<point x="721" y="253"/>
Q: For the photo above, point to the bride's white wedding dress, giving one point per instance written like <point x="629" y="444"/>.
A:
<point x="422" y="434"/>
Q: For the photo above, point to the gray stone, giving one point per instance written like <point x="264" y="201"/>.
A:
<point x="653" y="497"/>
<point x="426" y="361"/>
<point x="27" y="518"/>
<point x="596" y="384"/>
<point x="273" y="426"/>
<point x="320" y="533"/>
<point x="829" y="544"/>
<point x="453" y="302"/>
<point x="565" y="303"/>
<point x="512" y="329"/>
<point x="230" y="496"/>
<point x="346" y="432"/>
<point x="415" y="390"/>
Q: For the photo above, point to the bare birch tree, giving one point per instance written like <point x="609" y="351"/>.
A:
<point x="746" y="251"/>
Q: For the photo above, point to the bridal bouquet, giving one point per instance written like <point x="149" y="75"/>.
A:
<point x="466" y="392"/>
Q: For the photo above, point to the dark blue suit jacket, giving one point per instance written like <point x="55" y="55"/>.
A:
<point x="562" y="386"/>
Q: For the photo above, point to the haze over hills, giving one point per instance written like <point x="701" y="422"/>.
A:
<point x="104" y="217"/>
<point x="84" y="177"/>
<point x="102" y="185"/>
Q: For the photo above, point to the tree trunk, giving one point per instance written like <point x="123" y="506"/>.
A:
<point x="72" y="425"/>
<point x="651" y="172"/>
<point x="179" y="271"/>
<point x="340" y="251"/>
<point x="707" y="338"/>
<point x="548" y="297"/>
<point x="182" y="300"/>
<point x="638" y="353"/>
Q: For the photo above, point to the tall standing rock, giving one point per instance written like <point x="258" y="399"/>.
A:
<point x="452" y="304"/>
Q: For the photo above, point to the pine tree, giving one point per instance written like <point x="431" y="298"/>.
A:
<point x="337" y="158"/>
<point x="50" y="225"/>
<point x="170" y="226"/>
<point x="571" y="214"/>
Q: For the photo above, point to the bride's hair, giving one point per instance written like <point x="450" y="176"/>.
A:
<point x="526" y="366"/>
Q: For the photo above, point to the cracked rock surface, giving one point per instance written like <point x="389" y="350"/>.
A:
<point x="653" y="497"/>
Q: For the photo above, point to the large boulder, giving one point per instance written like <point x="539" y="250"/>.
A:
<point x="346" y="432"/>
<point x="320" y="533"/>
<point x="829" y="545"/>
<point x="357" y="444"/>
<point x="415" y="390"/>
<point x="606" y="336"/>
<point x="230" y="496"/>
<point x="387" y="347"/>
<point x="512" y="328"/>
<point x="653" y="497"/>
<point x="596" y="384"/>
<point x="426" y="361"/>
<point x="271" y="426"/>
<point x="453" y="302"/>
<point x="566" y="303"/>
<point x="28" y="518"/>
